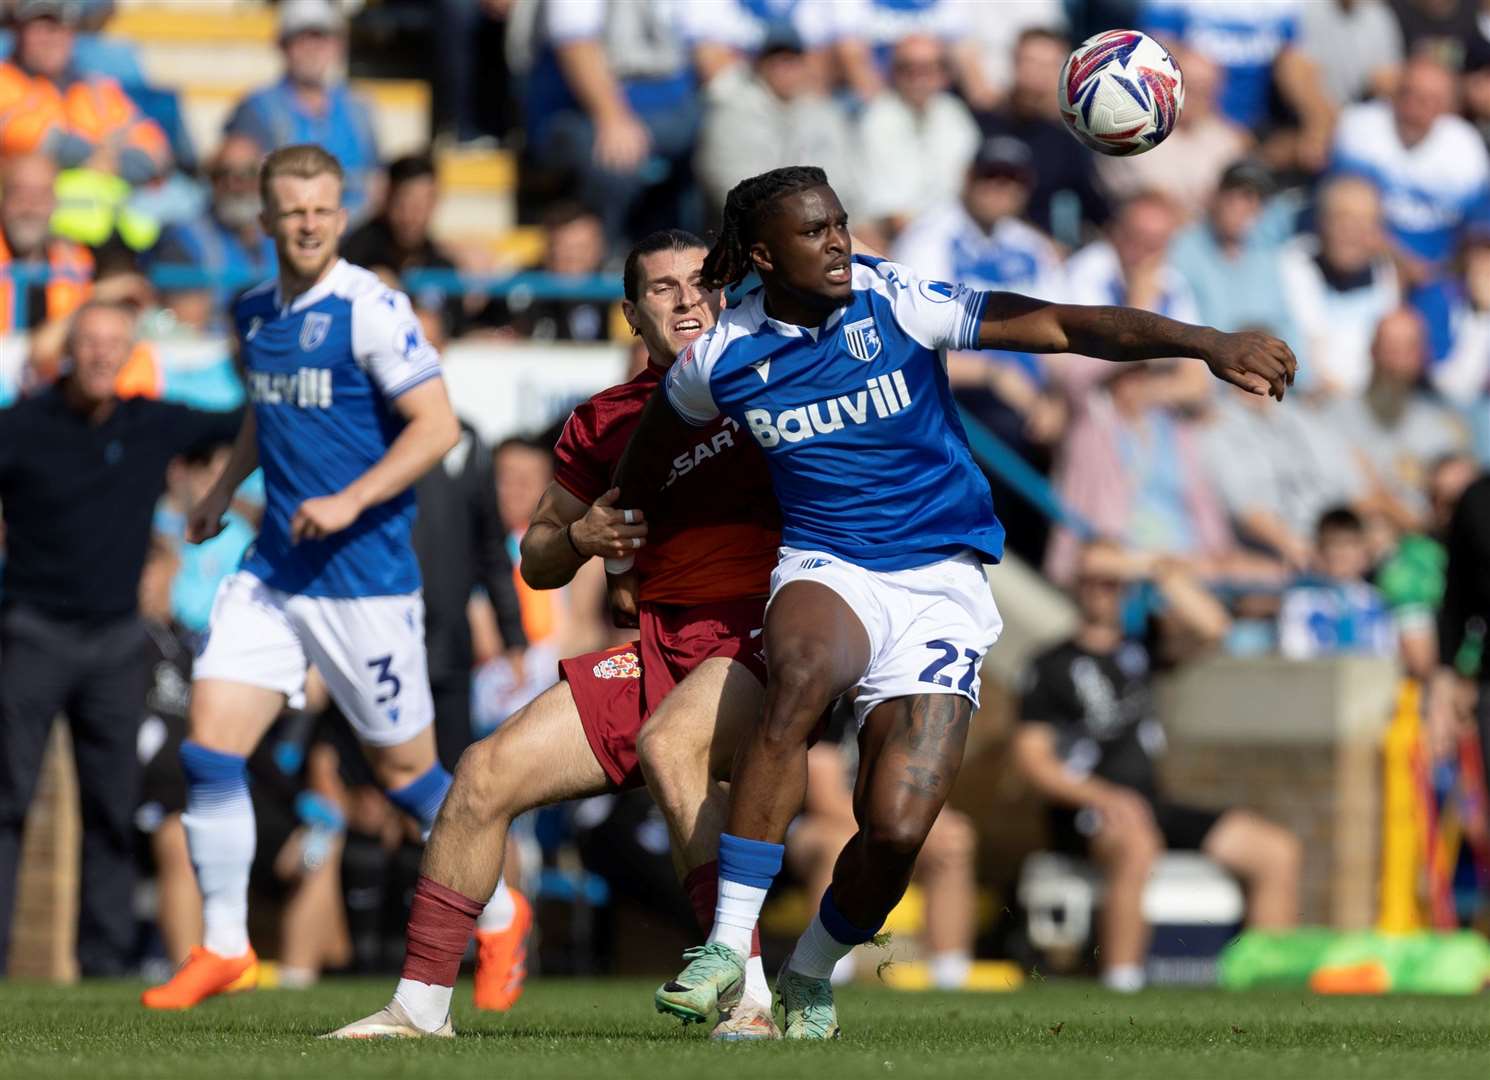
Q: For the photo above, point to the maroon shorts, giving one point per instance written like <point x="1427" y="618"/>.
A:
<point x="616" y="689"/>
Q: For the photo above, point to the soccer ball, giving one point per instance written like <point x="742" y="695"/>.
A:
<point x="1121" y="92"/>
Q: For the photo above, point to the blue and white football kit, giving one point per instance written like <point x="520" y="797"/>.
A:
<point x="322" y="374"/>
<point x="880" y="498"/>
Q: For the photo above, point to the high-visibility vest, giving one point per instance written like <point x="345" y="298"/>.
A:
<point x="30" y="111"/>
<point x="141" y="375"/>
<point x="68" y="285"/>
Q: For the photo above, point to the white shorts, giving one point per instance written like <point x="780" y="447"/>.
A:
<point x="370" y="651"/>
<point x="929" y="627"/>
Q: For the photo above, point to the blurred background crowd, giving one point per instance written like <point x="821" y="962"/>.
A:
<point x="1328" y="181"/>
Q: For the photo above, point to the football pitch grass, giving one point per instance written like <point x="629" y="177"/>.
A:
<point x="606" y="1028"/>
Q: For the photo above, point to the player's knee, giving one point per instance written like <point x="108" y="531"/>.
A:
<point x="478" y="791"/>
<point x="1137" y="849"/>
<point x="799" y="692"/>
<point x="661" y="748"/>
<point x="896" y="839"/>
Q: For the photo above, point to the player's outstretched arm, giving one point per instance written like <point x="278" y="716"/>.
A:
<point x="430" y="430"/>
<point x="644" y="465"/>
<point x="1258" y="363"/>
<point x="565" y="534"/>
<point x="205" y="520"/>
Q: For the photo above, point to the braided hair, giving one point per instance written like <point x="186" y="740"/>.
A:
<point x="745" y="206"/>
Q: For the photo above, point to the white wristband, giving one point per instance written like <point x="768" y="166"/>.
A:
<point x="620" y="566"/>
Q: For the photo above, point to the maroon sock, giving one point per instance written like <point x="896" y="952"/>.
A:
<point x="441" y="922"/>
<point x="702" y="886"/>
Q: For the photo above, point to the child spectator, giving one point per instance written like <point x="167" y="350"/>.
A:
<point x="1336" y="611"/>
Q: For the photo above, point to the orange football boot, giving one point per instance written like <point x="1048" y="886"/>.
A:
<point x="501" y="959"/>
<point x="203" y="975"/>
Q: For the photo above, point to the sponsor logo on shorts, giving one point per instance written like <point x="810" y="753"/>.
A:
<point x="621" y="666"/>
<point x="812" y="564"/>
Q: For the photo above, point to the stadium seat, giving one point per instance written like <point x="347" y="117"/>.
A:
<point x="1060" y="895"/>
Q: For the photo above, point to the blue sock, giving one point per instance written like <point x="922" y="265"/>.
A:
<point x="750" y="862"/>
<point x="836" y="924"/>
<point x="221" y="836"/>
<point x="421" y="798"/>
<point x="746" y="870"/>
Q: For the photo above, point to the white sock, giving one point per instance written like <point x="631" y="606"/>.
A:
<point x="817" y="952"/>
<point x="220" y="835"/>
<point x="296" y="978"/>
<point x="1124" y="978"/>
<point x="735" y="914"/>
<point x="949" y="970"/>
<point x="499" y="912"/>
<point x="428" y="1006"/>
<point x="757" y="991"/>
<point x="844" y="970"/>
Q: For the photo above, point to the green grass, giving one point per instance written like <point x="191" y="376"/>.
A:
<point x="568" y="1028"/>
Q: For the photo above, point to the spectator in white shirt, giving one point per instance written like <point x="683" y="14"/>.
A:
<point x="1462" y="376"/>
<point x="1357" y="46"/>
<point x="979" y="240"/>
<point x="770" y="113"/>
<point x="916" y="139"/>
<point x="1338" y="285"/>
<point x="1430" y="165"/>
<point x="1132" y="267"/>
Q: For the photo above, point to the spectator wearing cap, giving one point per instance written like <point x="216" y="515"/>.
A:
<point x="771" y="113"/>
<point x="611" y="108"/>
<point x="728" y="33"/>
<point x="1338" y="283"/>
<point x="48" y="104"/>
<point x="1256" y="46"/>
<point x="1430" y="165"/>
<point x="979" y="239"/>
<point x="312" y="104"/>
<point x="1230" y="258"/>
<point x="1203" y="138"/>
<point x="226" y="243"/>
<point x="1066" y="200"/>
<point x="1356" y="44"/>
<point x="1397" y="427"/>
<point x="915" y="139"/>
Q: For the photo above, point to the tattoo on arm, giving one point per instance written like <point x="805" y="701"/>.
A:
<point x="1122" y="333"/>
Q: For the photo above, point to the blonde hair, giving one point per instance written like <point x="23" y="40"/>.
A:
<point x="305" y="161"/>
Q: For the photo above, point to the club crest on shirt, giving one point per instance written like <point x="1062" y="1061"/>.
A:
<point x="862" y="339"/>
<point x="314" y="329"/>
<point x="621" y="666"/>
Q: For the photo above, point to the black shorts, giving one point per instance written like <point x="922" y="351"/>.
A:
<point x="1184" y="828"/>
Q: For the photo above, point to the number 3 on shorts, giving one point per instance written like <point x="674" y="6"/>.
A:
<point x="380" y="665"/>
<point x="949" y="656"/>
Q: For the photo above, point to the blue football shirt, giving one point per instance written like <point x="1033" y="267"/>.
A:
<point x="322" y="372"/>
<point x="866" y="451"/>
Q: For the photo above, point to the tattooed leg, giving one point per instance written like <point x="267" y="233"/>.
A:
<point x="910" y="751"/>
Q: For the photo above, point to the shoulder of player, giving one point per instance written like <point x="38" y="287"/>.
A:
<point x="255" y="300"/>
<point x="735" y="325"/>
<point x="364" y="290"/>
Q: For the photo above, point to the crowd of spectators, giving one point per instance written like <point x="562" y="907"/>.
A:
<point x="1328" y="181"/>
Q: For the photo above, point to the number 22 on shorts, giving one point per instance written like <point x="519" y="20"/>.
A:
<point x="949" y="655"/>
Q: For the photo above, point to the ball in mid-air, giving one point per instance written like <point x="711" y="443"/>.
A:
<point x="1121" y="92"/>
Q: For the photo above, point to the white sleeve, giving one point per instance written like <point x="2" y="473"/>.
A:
<point x="687" y="381"/>
<point x="938" y="314"/>
<point x="389" y="343"/>
<point x="573" y="20"/>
